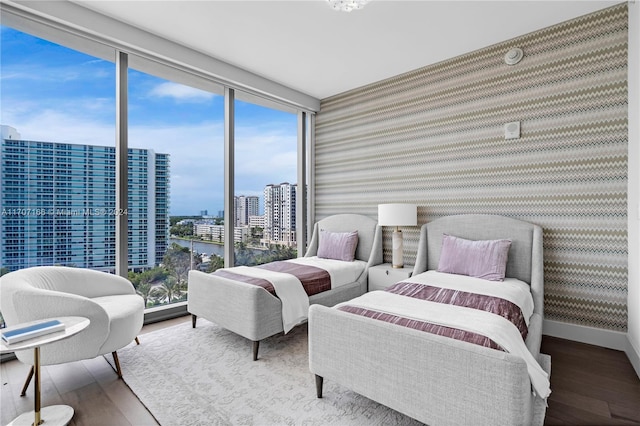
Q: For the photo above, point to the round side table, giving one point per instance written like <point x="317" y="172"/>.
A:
<point x="54" y="414"/>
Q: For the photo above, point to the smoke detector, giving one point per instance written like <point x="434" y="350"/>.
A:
<point x="513" y="56"/>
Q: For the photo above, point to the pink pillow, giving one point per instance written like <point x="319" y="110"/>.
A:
<point x="480" y="259"/>
<point x="338" y="245"/>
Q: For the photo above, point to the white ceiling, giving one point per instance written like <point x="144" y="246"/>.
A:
<point x="309" y="47"/>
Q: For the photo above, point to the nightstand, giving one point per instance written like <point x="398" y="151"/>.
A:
<point x="383" y="275"/>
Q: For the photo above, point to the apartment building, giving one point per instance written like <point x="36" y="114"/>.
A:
<point x="58" y="205"/>
<point x="280" y="214"/>
<point x="245" y="207"/>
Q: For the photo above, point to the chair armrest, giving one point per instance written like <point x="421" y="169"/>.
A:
<point x="88" y="282"/>
<point x="105" y="284"/>
<point x="35" y="304"/>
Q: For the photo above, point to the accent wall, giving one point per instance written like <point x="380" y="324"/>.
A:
<point x="435" y="137"/>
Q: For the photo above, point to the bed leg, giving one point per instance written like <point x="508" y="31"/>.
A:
<point x="319" y="381"/>
<point x="256" y="346"/>
<point x="193" y="320"/>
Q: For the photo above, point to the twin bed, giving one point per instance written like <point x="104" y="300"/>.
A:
<point x="425" y="375"/>
<point x="419" y="347"/>
<point x="254" y="312"/>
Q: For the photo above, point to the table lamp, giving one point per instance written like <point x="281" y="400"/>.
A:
<point x="397" y="215"/>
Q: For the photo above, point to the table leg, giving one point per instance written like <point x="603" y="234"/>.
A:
<point x="55" y="415"/>
<point x="36" y="364"/>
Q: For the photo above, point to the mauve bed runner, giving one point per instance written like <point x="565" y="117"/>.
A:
<point x="314" y="280"/>
<point x="495" y="305"/>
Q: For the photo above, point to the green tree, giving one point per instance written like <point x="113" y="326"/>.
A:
<point x="146" y="291"/>
<point x="256" y="234"/>
<point x="175" y="219"/>
<point x="276" y="252"/>
<point x="244" y="256"/>
<point x="177" y="263"/>
<point x="183" y="231"/>
<point x="169" y="290"/>
<point x="217" y="262"/>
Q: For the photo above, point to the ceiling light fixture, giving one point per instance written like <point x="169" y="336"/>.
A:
<point x="347" y="5"/>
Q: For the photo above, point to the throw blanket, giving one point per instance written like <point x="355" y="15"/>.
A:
<point x="314" y="279"/>
<point x="493" y="323"/>
<point x="295" y="302"/>
<point x="291" y="282"/>
<point x="511" y="289"/>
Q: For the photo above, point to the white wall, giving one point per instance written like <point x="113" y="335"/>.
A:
<point x="633" y="197"/>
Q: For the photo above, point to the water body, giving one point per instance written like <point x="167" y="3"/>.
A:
<point x="205" y="248"/>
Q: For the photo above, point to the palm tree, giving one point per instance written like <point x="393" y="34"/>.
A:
<point x="169" y="290"/>
<point x="145" y="290"/>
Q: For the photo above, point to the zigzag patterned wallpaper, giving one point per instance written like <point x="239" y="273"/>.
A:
<point x="435" y="137"/>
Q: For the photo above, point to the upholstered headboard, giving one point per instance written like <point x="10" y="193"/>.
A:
<point x="369" y="246"/>
<point x="525" y="261"/>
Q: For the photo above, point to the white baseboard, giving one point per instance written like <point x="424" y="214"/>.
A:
<point x="594" y="336"/>
<point x="634" y="356"/>
<point x="580" y="333"/>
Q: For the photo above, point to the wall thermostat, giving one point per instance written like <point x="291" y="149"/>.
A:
<point x="512" y="130"/>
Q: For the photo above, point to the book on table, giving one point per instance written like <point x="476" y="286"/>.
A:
<point x="17" y="334"/>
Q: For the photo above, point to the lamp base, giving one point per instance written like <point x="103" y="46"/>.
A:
<point x="397" y="249"/>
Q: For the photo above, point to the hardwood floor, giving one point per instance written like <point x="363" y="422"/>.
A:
<point x="590" y="386"/>
<point x="91" y="387"/>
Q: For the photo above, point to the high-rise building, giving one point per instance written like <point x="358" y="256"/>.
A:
<point x="245" y="206"/>
<point x="280" y="214"/>
<point x="58" y="205"/>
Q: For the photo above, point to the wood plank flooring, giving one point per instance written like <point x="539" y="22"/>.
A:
<point x="91" y="387"/>
<point x="590" y="386"/>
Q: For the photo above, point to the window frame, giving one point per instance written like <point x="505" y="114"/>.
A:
<point x="47" y="24"/>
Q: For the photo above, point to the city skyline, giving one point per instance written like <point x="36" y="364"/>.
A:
<point x="54" y="94"/>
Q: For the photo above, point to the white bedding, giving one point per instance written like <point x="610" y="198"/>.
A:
<point x="495" y="327"/>
<point x="288" y="288"/>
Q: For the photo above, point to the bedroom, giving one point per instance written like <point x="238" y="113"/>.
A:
<point x="357" y="120"/>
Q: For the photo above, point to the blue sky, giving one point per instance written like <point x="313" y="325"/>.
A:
<point x="52" y="93"/>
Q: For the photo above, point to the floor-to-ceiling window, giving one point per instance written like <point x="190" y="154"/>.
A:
<point x="265" y="184"/>
<point x="176" y="184"/>
<point x="58" y="117"/>
<point x="57" y="156"/>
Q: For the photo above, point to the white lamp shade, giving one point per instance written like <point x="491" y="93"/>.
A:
<point x="397" y="214"/>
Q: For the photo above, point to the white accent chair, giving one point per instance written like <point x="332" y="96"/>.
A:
<point x="109" y="301"/>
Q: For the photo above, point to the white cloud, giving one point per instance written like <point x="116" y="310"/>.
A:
<point x="180" y="92"/>
<point x="55" y="126"/>
<point x="264" y="153"/>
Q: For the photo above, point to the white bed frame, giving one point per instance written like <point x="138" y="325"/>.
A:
<point x="435" y="379"/>
<point x="253" y="312"/>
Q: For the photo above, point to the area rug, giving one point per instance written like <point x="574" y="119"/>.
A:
<point x="206" y="376"/>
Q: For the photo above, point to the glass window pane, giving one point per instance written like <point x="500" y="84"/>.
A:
<point x="57" y="159"/>
<point x="265" y="184"/>
<point x="176" y="184"/>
